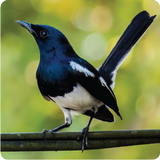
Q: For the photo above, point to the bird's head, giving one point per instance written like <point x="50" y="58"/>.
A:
<point x="50" y="40"/>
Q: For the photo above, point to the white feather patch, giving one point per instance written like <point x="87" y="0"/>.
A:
<point x="79" y="100"/>
<point x="103" y="82"/>
<point x="79" y="68"/>
<point x="105" y="85"/>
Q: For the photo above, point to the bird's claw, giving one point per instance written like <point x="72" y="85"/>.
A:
<point x="84" y="137"/>
<point x="45" y="131"/>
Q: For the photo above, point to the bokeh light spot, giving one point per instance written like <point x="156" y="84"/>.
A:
<point x="43" y="5"/>
<point x="82" y="19"/>
<point x="30" y="73"/>
<point x="88" y="18"/>
<point x="102" y="18"/>
<point x="145" y="105"/>
<point x="94" y="46"/>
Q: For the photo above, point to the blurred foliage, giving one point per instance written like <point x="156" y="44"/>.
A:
<point x="92" y="27"/>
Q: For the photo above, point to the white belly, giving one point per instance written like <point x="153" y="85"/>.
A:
<point x="79" y="100"/>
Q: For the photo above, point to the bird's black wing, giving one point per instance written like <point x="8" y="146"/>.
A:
<point x="88" y="77"/>
<point x="132" y="34"/>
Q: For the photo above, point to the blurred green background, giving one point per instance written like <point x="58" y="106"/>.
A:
<point x="92" y="27"/>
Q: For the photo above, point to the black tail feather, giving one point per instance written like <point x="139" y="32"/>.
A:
<point x="132" y="34"/>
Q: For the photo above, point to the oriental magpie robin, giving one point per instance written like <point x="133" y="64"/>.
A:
<point x="73" y="83"/>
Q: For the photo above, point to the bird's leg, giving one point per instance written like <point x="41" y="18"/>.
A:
<point x="68" y="122"/>
<point x="56" y="129"/>
<point x="84" y="134"/>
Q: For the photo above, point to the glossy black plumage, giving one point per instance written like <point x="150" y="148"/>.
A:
<point x="73" y="83"/>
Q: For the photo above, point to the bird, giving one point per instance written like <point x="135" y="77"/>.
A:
<point x="73" y="83"/>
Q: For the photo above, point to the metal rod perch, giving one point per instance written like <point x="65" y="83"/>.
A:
<point x="68" y="140"/>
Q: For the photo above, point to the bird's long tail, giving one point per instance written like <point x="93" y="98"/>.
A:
<point x="130" y="37"/>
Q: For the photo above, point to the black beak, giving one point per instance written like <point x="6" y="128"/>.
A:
<point x="27" y="26"/>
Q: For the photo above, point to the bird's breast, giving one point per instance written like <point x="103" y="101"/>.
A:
<point x="79" y="99"/>
<point x="54" y="82"/>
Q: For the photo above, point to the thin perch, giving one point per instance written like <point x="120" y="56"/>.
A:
<point x="68" y="140"/>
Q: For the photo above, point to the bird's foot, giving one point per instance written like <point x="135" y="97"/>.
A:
<point x="45" y="131"/>
<point x="84" y="137"/>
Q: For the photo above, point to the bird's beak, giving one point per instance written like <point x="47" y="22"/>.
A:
<point x="27" y="26"/>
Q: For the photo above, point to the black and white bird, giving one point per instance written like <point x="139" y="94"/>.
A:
<point x="74" y="84"/>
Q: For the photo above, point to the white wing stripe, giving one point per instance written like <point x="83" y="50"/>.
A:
<point x="105" y="85"/>
<point x="78" y="67"/>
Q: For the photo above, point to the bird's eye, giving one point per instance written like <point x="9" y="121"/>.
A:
<point x="43" y="34"/>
